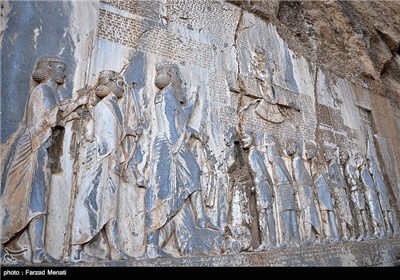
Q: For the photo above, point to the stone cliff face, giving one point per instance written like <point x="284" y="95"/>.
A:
<point x="353" y="39"/>
<point x="248" y="75"/>
<point x="356" y="40"/>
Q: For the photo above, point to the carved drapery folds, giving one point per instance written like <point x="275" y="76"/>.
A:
<point x="159" y="188"/>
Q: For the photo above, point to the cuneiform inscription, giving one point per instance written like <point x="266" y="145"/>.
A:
<point x="227" y="116"/>
<point x="219" y="89"/>
<point x="330" y="117"/>
<point x="119" y="29"/>
<point x="146" y="8"/>
<point x="215" y="18"/>
<point x="135" y="34"/>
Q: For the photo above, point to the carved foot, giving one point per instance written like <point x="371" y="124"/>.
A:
<point x="308" y="242"/>
<point x="11" y="260"/>
<point x="336" y="240"/>
<point x="7" y="259"/>
<point x="368" y="236"/>
<point x="154" y="252"/>
<point x="359" y="238"/>
<point x="345" y="238"/>
<point x="120" y="255"/>
<point x="260" y="248"/>
<point x="232" y="246"/>
<point x="41" y="256"/>
<point x="206" y="223"/>
<point x="295" y="245"/>
<point x="81" y="256"/>
<point x="284" y="246"/>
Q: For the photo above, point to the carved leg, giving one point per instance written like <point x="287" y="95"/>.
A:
<point x="326" y="227"/>
<point x="360" y="226"/>
<point x="271" y="228"/>
<point x="263" y="230"/>
<point x="345" y="231"/>
<point x="198" y="206"/>
<point x="294" y="227"/>
<point x="368" y="234"/>
<point x="37" y="234"/>
<point x="153" y="250"/>
<point x="333" y="226"/>
<point x="113" y="240"/>
<point x="78" y="255"/>
<point x="394" y="224"/>
<point x="285" y="229"/>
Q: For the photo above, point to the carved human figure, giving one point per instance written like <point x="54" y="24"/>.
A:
<point x="264" y="193"/>
<point x="357" y="200"/>
<point x="389" y="215"/>
<point x="96" y="205"/>
<point x="309" y="213"/>
<point x="371" y="196"/>
<point x="324" y="194"/>
<point x="267" y="108"/>
<point x="284" y="193"/>
<point x="221" y="194"/>
<point x="213" y="188"/>
<point x="240" y="182"/>
<point x="27" y="185"/>
<point x="340" y="193"/>
<point x="174" y="185"/>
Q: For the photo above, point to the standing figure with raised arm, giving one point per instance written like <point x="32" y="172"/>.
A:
<point x="174" y="185"/>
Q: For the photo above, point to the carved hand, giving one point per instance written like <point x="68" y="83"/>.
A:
<point x="140" y="181"/>
<point x="83" y="100"/>
<point x="138" y="131"/>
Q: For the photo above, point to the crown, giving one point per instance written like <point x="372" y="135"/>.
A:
<point x="107" y="74"/>
<point x="166" y="65"/>
<point x="50" y="58"/>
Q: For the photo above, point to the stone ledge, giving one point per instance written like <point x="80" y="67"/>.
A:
<point x="374" y="253"/>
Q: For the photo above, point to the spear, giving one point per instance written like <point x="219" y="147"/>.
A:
<point x="76" y="152"/>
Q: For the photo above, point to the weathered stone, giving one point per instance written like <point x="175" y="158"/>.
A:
<point x="171" y="133"/>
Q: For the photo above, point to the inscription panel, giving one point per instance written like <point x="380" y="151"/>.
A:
<point x="146" y="8"/>
<point x="215" y="18"/>
<point x="136" y="34"/>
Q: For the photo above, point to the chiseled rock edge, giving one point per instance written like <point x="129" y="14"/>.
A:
<point x="374" y="253"/>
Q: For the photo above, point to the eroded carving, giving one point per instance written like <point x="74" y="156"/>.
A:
<point x="324" y="194"/>
<point x="340" y="194"/>
<point x="309" y="214"/>
<point x="174" y="200"/>
<point x="371" y="195"/>
<point x="96" y="205"/>
<point x="357" y="200"/>
<point x="284" y="193"/>
<point x="264" y="193"/>
<point x="26" y="191"/>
